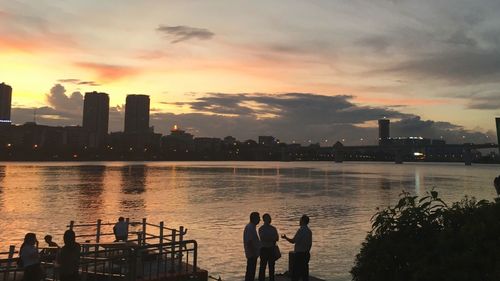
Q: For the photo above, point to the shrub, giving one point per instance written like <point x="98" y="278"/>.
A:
<point x="425" y="239"/>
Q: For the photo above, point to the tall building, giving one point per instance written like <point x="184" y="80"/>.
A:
<point x="5" y="103"/>
<point x="384" y="131"/>
<point x="96" y="117"/>
<point x="137" y="114"/>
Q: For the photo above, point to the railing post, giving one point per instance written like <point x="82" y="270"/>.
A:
<point x="71" y="225"/>
<point x="139" y="238"/>
<point x="12" y="249"/>
<point x="195" y="257"/>
<point x="127" y="220"/>
<point x="160" y="250"/>
<point x="132" y="265"/>
<point x="98" y="232"/>
<point x="181" y="239"/>
<point x="172" y="251"/>
<point x="144" y="231"/>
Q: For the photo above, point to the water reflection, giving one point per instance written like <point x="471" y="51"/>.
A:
<point x="133" y="184"/>
<point x="90" y="187"/>
<point x="213" y="200"/>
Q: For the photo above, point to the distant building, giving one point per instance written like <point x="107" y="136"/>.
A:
<point x="177" y="141"/>
<point x="267" y="140"/>
<point x="137" y="114"/>
<point x="5" y="103"/>
<point x="384" y="131"/>
<point x="96" y="117"/>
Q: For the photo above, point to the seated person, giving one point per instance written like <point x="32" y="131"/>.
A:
<point x="121" y="230"/>
<point x="49" y="254"/>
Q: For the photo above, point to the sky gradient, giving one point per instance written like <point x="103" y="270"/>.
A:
<point x="319" y="70"/>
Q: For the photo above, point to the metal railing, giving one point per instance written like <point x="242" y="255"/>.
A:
<point x="119" y="261"/>
<point x="153" y="251"/>
<point x="145" y="232"/>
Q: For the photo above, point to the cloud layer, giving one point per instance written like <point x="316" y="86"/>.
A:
<point x="181" y="33"/>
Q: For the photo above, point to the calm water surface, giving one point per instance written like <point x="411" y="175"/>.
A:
<point x="213" y="200"/>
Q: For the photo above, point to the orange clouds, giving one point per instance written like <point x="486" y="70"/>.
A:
<point x="108" y="72"/>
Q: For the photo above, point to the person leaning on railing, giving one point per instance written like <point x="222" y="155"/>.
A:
<point x="68" y="258"/>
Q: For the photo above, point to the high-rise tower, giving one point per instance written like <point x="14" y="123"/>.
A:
<point x="5" y="103"/>
<point x="383" y="131"/>
<point x="137" y="114"/>
<point x="96" y="117"/>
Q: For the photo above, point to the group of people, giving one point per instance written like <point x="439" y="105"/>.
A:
<point x="263" y="245"/>
<point x="67" y="258"/>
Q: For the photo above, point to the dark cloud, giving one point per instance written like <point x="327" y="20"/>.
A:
<point x="484" y="100"/>
<point x="468" y="66"/>
<point x="428" y="128"/>
<point x="375" y="43"/>
<point x="460" y="38"/>
<point x="78" y="82"/>
<point x="182" y="33"/>
<point x="300" y="117"/>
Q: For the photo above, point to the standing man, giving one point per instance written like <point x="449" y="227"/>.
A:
<point x="268" y="237"/>
<point x="251" y="244"/>
<point x="303" y="243"/>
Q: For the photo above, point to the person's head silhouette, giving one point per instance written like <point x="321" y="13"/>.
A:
<point x="304" y="220"/>
<point x="30" y="239"/>
<point x="48" y="238"/>
<point x="266" y="218"/>
<point x="69" y="237"/>
<point x="255" y="218"/>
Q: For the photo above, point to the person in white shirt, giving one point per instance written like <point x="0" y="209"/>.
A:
<point x="251" y="243"/>
<point x="268" y="237"/>
<point x="302" y="248"/>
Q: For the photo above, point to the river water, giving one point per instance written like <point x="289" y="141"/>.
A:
<point x="213" y="201"/>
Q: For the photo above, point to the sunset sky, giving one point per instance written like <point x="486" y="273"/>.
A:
<point x="319" y="69"/>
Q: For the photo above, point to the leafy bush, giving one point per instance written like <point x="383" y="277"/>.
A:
<point x="425" y="239"/>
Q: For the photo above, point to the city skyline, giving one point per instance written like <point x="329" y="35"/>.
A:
<point x="430" y="67"/>
<point x="133" y="117"/>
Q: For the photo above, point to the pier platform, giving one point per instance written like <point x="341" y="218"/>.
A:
<point x="153" y="252"/>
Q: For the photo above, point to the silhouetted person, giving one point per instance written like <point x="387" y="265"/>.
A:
<point x="50" y="243"/>
<point x="251" y="244"/>
<point x="268" y="237"/>
<point x="30" y="258"/>
<point x="303" y="243"/>
<point x="120" y="230"/>
<point x="49" y="255"/>
<point x="68" y="258"/>
<point x="496" y="183"/>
